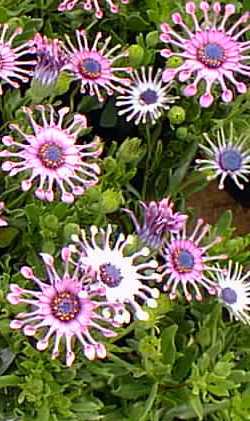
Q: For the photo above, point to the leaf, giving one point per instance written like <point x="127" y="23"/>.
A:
<point x="109" y="115"/>
<point x="7" y="357"/>
<point x="168" y="344"/>
<point x="7" y="235"/>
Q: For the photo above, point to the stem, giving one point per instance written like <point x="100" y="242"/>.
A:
<point x="149" y="402"/>
<point x="149" y="150"/>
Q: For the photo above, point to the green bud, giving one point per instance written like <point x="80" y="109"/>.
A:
<point x="130" y="150"/>
<point x="111" y="201"/>
<point x="174" y="62"/>
<point x="181" y="133"/>
<point x="69" y="230"/>
<point x="177" y="115"/>
<point x="136" y="55"/>
<point x="48" y="247"/>
<point x="152" y="39"/>
<point x="51" y="221"/>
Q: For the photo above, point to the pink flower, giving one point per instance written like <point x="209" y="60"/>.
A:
<point x="3" y="223"/>
<point x="91" y="5"/>
<point x="159" y="219"/>
<point x="52" y="156"/>
<point x="58" y="309"/>
<point x="51" y="59"/>
<point x="213" y="51"/>
<point x="187" y="262"/>
<point x="12" y="63"/>
<point x="95" y="68"/>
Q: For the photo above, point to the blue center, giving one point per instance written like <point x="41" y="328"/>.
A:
<point x="91" y="68"/>
<point x="185" y="260"/>
<point x="110" y="275"/>
<point x="66" y="306"/>
<point x="229" y="296"/>
<point x="53" y="153"/>
<point x="212" y="55"/>
<point x="214" y="51"/>
<point x="230" y="160"/>
<point x="149" y="97"/>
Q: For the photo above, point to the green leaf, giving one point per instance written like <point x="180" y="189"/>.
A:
<point x="7" y="235"/>
<point x="168" y="344"/>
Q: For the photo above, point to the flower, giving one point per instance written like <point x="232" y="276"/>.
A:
<point x="145" y="98"/>
<point x="51" y="59"/>
<point x="117" y="273"/>
<point x="52" y="156"/>
<point x="91" y="5"/>
<point x="159" y="219"/>
<point x="234" y="291"/>
<point x="213" y="51"/>
<point x="93" y="67"/>
<point x="3" y="223"/>
<point x="186" y="262"/>
<point x="58" y="309"/>
<point x="11" y="63"/>
<point x="225" y="157"/>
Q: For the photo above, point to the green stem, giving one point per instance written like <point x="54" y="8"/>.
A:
<point x="147" y="166"/>
<point x="149" y="402"/>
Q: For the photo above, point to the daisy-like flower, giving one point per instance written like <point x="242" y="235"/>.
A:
<point x="119" y="274"/>
<point x="51" y="58"/>
<point x="92" y="5"/>
<point x="226" y="157"/>
<point x="234" y="291"/>
<point x="59" y="310"/>
<point x="52" y="156"/>
<point x="95" y="68"/>
<point x="146" y="98"/>
<point x="159" y="219"/>
<point x="187" y="262"/>
<point x="3" y="222"/>
<point x="13" y="67"/>
<point x="213" y="51"/>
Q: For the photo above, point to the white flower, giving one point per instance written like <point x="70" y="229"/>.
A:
<point x="116" y="272"/>
<point x="146" y="98"/>
<point x="226" y="157"/>
<point x="234" y="291"/>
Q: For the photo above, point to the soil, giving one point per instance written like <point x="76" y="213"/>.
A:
<point x="211" y="203"/>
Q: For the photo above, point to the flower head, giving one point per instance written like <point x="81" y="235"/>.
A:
<point x="234" y="291"/>
<point x="92" y="5"/>
<point x="62" y="312"/>
<point x="95" y="68"/>
<point x="226" y="157"/>
<point x="186" y="262"/>
<point x="52" y="156"/>
<point x="159" y="219"/>
<point x="145" y="98"/>
<point x="213" y="51"/>
<point x="51" y="59"/>
<point x="119" y="274"/>
<point x="13" y="67"/>
<point x="3" y="222"/>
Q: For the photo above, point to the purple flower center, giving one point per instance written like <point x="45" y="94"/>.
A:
<point x="230" y="160"/>
<point x="149" y="97"/>
<point x="229" y="296"/>
<point x="211" y="55"/>
<point x="90" y="68"/>
<point x="65" y="306"/>
<point x="110" y="275"/>
<point x="51" y="155"/>
<point x="183" y="261"/>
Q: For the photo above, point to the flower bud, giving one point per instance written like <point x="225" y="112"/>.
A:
<point x="177" y="115"/>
